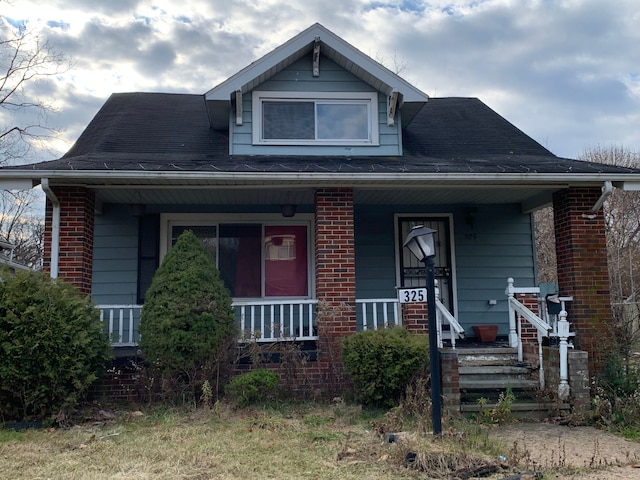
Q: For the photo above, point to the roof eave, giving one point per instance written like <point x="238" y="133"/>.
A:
<point x="22" y="179"/>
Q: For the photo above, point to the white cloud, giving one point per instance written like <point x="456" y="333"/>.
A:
<point x="565" y="72"/>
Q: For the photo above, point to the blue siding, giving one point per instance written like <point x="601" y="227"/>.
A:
<point x="298" y="78"/>
<point x="115" y="256"/>
<point x="499" y="245"/>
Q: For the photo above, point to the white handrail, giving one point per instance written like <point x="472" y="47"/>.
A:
<point x="455" y="329"/>
<point x="454" y="325"/>
<point x="543" y="327"/>
<point x="518" y="311"/>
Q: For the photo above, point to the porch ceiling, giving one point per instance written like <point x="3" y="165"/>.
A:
<point x="530" y="197"/>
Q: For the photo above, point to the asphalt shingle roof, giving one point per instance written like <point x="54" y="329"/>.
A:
<point x="171" y="132"/>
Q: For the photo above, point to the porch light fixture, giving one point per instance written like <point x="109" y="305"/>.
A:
<point x="421" y="243"/>
<point x="288" y="210"/>
<point x="137" y="209"/>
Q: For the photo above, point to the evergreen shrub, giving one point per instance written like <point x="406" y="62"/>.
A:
<point x="52" y="346"/>
<point x="187" y="323"/>
<point x="382" y="362"/>
<point x="251" y="387"/>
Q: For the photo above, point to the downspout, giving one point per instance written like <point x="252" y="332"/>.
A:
<point x="55" y="226"/>
<point x="607" y="190"/>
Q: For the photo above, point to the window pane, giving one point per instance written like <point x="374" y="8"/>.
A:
<point x="206" y="234"/>
<point x="240" y="258"/>
<point x="285" y="261"/>
<point x="288" y="120"/>
<point x="343" y="121"/>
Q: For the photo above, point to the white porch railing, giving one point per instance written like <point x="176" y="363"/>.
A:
<point x="122" y="323"/>
<point x="375" y="313"/>
<point x="519" y="312"/>
<point x="268" y="321"/>
<point x="274" y="320"/>
<point x="264" y="321"/>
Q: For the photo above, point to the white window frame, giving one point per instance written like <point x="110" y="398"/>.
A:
<point x="169" y="220"/>
<point x="367" y="98"/>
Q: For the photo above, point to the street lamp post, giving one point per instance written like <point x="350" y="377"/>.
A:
<point x="421" y="243"/>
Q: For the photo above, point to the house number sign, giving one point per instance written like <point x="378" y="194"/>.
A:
<point x="412" y="295"/>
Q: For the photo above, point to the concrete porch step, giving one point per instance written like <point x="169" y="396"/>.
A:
<point x="498" y="356"/>
<point x="484" y="370"/>
<point x="517" y="406"/>
<point x="519" y="410"/>
<point x="498" y="383"/>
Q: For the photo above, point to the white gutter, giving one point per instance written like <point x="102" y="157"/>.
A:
<point x="55" y="226"/>
<point x="607" y="189"/>
<point x="112" y="177"/>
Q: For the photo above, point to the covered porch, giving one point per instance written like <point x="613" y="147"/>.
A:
<point x="354" y="257"/>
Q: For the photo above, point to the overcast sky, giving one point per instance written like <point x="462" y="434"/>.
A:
<point x="566" y="72"/>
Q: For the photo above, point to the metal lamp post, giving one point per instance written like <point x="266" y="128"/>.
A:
<point x="421" y="243"/>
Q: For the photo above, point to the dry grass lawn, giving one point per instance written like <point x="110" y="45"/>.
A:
<point x="290" y="442"/>
<point x="312" y="443"/>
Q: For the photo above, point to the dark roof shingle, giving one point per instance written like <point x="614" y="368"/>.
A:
<point x="170" y="132"/>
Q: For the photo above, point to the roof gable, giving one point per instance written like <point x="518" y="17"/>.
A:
<point x="333" y="47"/>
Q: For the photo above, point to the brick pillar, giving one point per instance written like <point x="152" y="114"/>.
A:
<point x="415" y="317"/>
<point x="75" y="262"/>
<point x="581" y="251"/>
<point x="579" y="381"/>
<point x="335" y="281"/>
<point x="450" y="381"/>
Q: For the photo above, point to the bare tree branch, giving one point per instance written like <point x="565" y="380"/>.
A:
<point x="22" y="225"/>
<point x="25" y="60"/>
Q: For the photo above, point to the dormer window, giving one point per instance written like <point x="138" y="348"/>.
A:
<point x="317" y="118"/>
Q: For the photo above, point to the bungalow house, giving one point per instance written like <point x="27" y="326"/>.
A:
<point x="303" y="174"/>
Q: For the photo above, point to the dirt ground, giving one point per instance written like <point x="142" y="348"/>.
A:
<point x="573" y="452"/>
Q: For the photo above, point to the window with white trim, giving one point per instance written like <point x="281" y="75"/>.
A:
<point x="315" y="118"/>
<point x="255" y="259"/>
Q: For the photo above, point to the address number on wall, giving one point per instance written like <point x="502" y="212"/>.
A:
<point x="412" y="295"/>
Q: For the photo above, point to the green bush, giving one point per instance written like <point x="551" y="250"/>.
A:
<point x="253" y="386"/>
<point x="382" y="362"/>
<point x="52" y="346"/>
<point x="187" y="323"/>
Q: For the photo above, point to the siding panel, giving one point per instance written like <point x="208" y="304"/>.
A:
<point x="115" y="258"/>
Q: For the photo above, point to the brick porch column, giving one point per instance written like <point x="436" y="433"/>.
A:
<point x="335" y="281"/>
<point x="75" y="262"/>
<point x="581" y="251"/>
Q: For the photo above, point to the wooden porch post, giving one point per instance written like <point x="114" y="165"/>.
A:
<point x="75" y="262"/>
<point x="581" y="251"/>
<point x="335" y="281"/>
